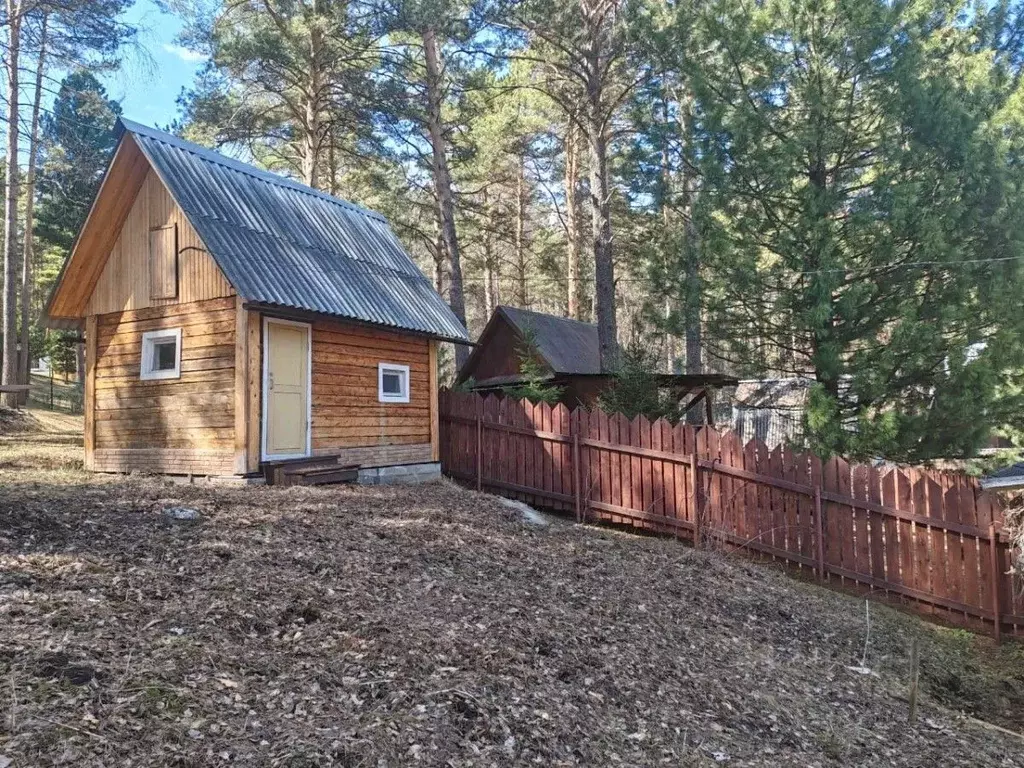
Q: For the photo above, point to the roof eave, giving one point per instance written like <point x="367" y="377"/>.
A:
<point x="307" y="314"/>
<point x="1015" y="482"/>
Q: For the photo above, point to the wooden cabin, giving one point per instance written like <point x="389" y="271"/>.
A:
<point x="234" y="318"/>
<point x="569" y="354"/>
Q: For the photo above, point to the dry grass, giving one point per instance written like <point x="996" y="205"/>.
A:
<point x="367" y="627"/>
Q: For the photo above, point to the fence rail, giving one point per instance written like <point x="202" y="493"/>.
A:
<point x="928" y="538"/>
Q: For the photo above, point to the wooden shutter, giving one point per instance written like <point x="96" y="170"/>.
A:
<point x="163" y="262"/>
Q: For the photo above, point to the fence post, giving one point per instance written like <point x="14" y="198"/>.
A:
<point x="697" y="500"/>
<point x="577" y="491"/>
<point x="819" y="531"/>
<point x="994" y="566"/>
<point x="479" y="444"/>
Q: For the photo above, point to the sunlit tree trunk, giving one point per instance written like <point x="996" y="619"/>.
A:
<point x="521" y="260"/>
<point x="604" y="268"/>
<point x="312" y="140"/>
<point x="9" y="371"/>
<point x="490" y="264"/>
<point x="30" y="193"/>
<point x="574" y="245"/>
<point x="443" y="182"/>
<point x="599" y="14"/>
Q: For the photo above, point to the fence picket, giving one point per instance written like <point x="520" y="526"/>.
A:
<point x="861" y="549"/>
<point x="814" y="470"/>
<point x="953" y="561"/>
<point x="923" y="572"/>
<point x="791" y="536"/>
<point x="832" y="515"/>
<point x="968" y="514"/>
<point x="750" y="529"/>
<point x="600" y="461"/>
<point x="646" y="467"/>
<point x="635" y="498"/>
<point x="876" y="526"/>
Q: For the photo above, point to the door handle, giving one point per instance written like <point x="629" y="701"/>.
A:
<point x="270" y="381"/>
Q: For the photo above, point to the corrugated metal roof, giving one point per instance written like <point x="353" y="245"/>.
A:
<point x="282" y="243"/>
<point x="568" y="346"/>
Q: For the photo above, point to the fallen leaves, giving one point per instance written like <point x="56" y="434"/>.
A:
<point x="427" y="625"/>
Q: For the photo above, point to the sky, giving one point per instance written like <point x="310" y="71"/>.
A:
<point x="149" y="83"/>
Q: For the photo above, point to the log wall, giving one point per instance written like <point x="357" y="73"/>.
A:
<point x="176" y="426"/>
<point x="347" y="416"/>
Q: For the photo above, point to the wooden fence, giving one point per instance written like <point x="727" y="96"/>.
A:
<point x="927" y="538"/>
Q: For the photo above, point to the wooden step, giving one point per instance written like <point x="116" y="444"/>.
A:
<point x="274" y="471"/>
<point x="324" y="476"/>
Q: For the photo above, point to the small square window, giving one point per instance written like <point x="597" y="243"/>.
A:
<point x="161" y="354"/>
<point x="393" y="383"/>
<point x="165" y="355"/>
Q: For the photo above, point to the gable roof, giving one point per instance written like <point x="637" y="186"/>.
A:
<point x="281" y="243"/>
<point x="569" y="347"/>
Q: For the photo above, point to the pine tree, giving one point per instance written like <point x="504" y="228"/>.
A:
<point x="860" y="164"/>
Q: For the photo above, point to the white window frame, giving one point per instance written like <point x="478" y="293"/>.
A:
<point x="387" y="397"/>
<point x="149" y="340"/>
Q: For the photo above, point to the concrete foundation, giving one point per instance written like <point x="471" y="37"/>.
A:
<point x="401" y="474"/>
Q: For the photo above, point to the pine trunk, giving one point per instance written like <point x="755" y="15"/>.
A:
<point x="604" y="267"/>
<point x="522" y="295"/>
<point x="439" y="259"/>
<point x="443" y="183"/>
<point x="692" y="249"/>
<point x="9" y="371"/>
<point x="312" y="139"/>
<point x="669" y="243"/>
<point x="573" y="237"/>
<point x="30" y="191"/>
<point x="490" y="266"/>
<point x="694" y="355"/>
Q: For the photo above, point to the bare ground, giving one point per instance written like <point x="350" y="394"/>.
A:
<point x="380" y="627"/>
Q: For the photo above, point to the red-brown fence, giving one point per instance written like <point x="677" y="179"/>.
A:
<point x="929" y="538"/>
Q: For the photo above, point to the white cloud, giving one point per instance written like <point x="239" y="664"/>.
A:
<point x="185" y="54"/>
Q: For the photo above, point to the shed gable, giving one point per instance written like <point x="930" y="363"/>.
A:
<point x="157" y="259"/>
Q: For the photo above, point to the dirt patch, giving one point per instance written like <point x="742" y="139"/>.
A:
<point x="430" y="625"/>
<point x="17" y="421"/>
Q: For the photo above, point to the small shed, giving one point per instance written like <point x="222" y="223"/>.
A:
<point x="569" y="353"/>
<point x="235" y="318"/>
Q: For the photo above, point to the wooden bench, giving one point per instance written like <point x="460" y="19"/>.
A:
<point x="15" y="389"/>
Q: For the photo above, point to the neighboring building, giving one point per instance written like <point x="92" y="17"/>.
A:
<point x="769" y="410"/>
<point x="1006" y="479"/>
<point x="233" y="317"/>
<point x="568" y="352"/>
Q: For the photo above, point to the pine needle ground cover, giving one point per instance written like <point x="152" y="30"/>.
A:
<point x="432" y="626"/>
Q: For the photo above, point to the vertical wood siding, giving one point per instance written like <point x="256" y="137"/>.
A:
<point x="126" y="282"/>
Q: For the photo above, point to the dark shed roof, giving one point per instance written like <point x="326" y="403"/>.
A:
<point x="282" y="243"/>
<point x="568" y="346"/>
<point x="1007" y="478"/>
